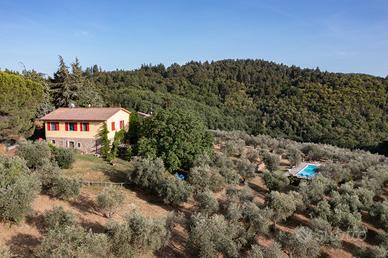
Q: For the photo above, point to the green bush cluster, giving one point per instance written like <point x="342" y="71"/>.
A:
<point x="151" y="175"/>
<point x="137" y="235"/>
<point x="18" y="188"/>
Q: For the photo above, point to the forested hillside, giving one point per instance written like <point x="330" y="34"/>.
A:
<point x="348" y="110"/>
<point x="259" y="97"/>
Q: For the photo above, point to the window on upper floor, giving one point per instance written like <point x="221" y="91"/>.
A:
<point x="84" y="127"/>
<point x="121" y="124"/>
<point x="53" y="126"/>
<point x="71" y="126"/>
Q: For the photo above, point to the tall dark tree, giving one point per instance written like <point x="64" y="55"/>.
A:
<point x="20" y="100"/>
<point x="63" y="90"/>
<point x="178" y="137"/>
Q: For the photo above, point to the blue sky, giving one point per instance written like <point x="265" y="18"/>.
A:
<point x="338" y="36"/>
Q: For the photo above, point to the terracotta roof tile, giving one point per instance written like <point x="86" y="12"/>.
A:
<point x="82" y="114"/>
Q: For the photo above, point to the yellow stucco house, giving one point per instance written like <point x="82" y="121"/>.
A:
<point x="79" y="128"/>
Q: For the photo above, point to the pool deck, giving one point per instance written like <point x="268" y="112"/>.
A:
<point x="293" y="171"/>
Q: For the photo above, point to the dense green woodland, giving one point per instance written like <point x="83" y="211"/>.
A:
<point x="348" y="110"/>
<point x="259" y="97"/>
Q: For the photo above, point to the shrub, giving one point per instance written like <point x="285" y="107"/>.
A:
<point x="128" y="153"/>
<point x="324" y="232"/>
<point x="65" y="188"/>
<point x="151" y="176"/>
<point x="204" y="177"/>
<point x="246" y="169"/>
<point x="109" y="200"/>
<point x="274" y="181"/>
<point x="73" y="242"/>
<point x="47" y="173"/>
<point x="105" y="142"/>
<point x="5" y="252"/>
<point x="283" y="204"/>
<point x="63" y="157"/>
<point x="313" y="152"/>
<point x="226" y="168"/>
<point x="58" y="218"/>
<point x="314" y="190"/>
<point x="273" y="251"/>
<point x="18" y="189"/>
<point x="294" y="156"/>
<point x="172" y="190"/>
<point x="147" y="172"/>
<point x="36" y="154"/>
<point x="302" y="243"/>
<point x="117" y="140"/>
<point x="379" y="211"/>
<point x="212" y="236"/>
<point x="255" y="252"/>
<point x="207" y="204"/>
<point x="137" y="235"/>
<point x="234" y="147"/>
<point x="271" y="161"/>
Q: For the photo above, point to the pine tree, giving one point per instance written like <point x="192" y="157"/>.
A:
<point x="62" y="89"/>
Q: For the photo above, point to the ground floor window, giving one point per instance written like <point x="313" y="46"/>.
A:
<point x="79" y="145"/>
<point x="53" y="141"/>
<point x="71" y="144"/>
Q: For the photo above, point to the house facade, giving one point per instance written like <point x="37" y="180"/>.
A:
<point x="79" y="128"/>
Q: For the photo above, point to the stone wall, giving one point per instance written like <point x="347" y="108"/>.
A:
<point x="86" y="145"/>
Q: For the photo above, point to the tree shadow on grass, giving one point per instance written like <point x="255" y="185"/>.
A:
<point x="84" y="204"/>
<point x="351" y="248"/>
<point x="22" y="245"/>
<point x="115" y="174"/>
<point x="94" y="226"/>
<point x="36" y="220"/>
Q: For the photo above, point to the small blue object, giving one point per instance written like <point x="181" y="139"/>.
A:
<point x="308" y="171"/>
<point x="180" y="176"/>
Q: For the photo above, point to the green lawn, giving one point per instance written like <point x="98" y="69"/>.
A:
<point x="91" y="168"/>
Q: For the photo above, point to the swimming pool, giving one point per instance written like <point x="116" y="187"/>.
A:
<point x="308" y="171"/>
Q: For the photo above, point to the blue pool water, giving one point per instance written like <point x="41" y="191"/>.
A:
<point x="308" y="171"/>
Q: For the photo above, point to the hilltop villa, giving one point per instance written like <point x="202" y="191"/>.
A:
<point x="79" y="128"/>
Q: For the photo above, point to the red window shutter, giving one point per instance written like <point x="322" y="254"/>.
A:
<point x="66" y="126"/>
<point x="75" y="126"/>
<point x="48" y="126"/>
<point x="87" y="127"/>
<point x="57" y="126"/>
<point x="113" y="126"/>
<point x="80" y="126"/>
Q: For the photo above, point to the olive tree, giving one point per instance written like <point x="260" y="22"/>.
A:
<point x="207" y="204"/>
<point x="65" y="188"/>
<point x="213" y="236"/>
<point x="108" y="200"/>
<point x="301" y="243"/>
<point x="283" y="204"/>
<point x="271" y="161"/>
<point x="18" y="188"/>
<point x="58" y="218"/>
<point x="73" y="242"/>
<point x="379" y="211"/>
<point x="36" y="154"/>
<point x="137" y="235"/>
